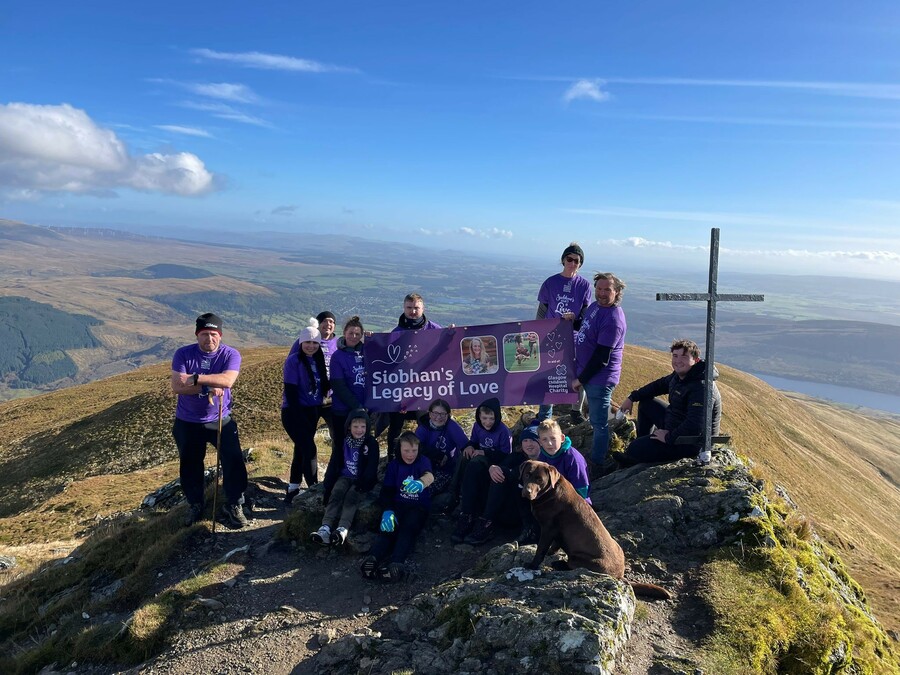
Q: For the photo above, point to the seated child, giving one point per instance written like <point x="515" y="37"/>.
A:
<point x="557" y="451"/>
<point x="492" y="493"/>
<point x="490" y="441"/>
<point x="350" y="474"/>
<point x="442" y="441"/>
<point x="406" y="499"/>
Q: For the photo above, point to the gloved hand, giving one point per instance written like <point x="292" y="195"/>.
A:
<point x="412" y="486"/>
<point x="388" y="521"/>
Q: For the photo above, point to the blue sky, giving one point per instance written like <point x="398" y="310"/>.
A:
<point x="505" y="126"/>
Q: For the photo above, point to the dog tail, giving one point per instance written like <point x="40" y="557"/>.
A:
<point x="650" y="590"/>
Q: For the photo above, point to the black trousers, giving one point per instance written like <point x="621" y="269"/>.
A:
<point x="481" y="496"/>
<point x="300" y="423"/>
<point x="397" y="545"/>
<point x="645" y="448"/>
<point x="192" y="439"/>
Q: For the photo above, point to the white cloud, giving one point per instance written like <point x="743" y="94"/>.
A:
<point x="492" y="233"/>
<point x="870" y="256"/>
<point x="286" y="210"/>
<point x="264" y="61"/>
<point x="238" y="93"/>
<point x="226" y="112"/>
<point x="586" y="89"/>
<point x="854" y="89"/>
<point x="59" y="148"/>
<point x="186" y="131"/>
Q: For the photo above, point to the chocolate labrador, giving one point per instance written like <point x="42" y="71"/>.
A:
<point x="568" y="522"/>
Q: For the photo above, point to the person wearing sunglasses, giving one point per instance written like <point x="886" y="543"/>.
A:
<point x="565" y="295"/>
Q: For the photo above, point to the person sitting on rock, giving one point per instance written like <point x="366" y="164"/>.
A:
<point x="406" y="500"/>
<point x="557" y="451"/>
<point x="349" y="476"/>
<point x="681" y="417"/>
<point x="442" y="442"/>
<point x="495" y="496"/>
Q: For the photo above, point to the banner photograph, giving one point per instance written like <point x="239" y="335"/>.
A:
<point x="521" y="363"/>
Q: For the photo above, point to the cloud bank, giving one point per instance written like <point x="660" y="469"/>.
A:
<point x="59" y="148"/>
<point x="589" y="89"/>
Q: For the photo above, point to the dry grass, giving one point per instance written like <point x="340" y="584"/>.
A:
<point x="841" y="468"/>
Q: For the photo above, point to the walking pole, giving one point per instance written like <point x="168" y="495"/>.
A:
<point x="218" y="445"/>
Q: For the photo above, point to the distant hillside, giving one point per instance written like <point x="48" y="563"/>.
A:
<point x="842" y="469"/>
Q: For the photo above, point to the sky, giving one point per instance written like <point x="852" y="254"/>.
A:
<point x="507" y="127"/>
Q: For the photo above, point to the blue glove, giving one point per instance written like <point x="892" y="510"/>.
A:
<point x="388" y="521"/>
<point x="412" y="486"/>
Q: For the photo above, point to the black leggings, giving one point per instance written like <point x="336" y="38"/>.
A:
<point x="192" y="439"/>
<point x="300" y="423"/>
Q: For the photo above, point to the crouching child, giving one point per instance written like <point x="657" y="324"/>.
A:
<point x="352" y="472"/>
<point x="406" y="500"/>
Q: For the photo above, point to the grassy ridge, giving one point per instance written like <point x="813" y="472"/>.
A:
<point x="841" y="469"/>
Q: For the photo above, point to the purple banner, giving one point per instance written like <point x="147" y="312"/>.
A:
<point x="521" y="363"/>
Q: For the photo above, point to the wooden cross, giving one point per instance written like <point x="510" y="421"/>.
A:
<point x="711" y="298"/>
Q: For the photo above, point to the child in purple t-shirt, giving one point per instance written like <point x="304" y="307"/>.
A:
<point x="349" y="476"/>
<point x="557" y="451"/>
<point x="406" y="500"/>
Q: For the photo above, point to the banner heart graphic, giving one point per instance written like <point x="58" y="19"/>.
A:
<point x="558" y="345"/>
<point x="551" y="353"/>
<point x="393" y="352"/>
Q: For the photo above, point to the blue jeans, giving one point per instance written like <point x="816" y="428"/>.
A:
<point x="599" y="396"/>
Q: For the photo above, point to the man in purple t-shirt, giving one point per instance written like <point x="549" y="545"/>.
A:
<point x="599" y="344"/>
<point x="202" y="374"/>
<point x="565" y="295"/>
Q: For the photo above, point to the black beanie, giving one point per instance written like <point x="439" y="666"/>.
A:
<point x="325" y="315"/>
<point x="574" y="249"/>
<point x="208" y="321"/>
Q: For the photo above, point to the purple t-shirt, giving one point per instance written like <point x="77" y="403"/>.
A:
<point x="191" y="359"/>
<point x="562" y="295"/>
<point x="601" y="326"/>
<point x="352" y="449"/>
<point x="498" y="439"/>
<point x="349" y="366"/>
<point x="397" y="471"/>
<point x="449" y="440"/>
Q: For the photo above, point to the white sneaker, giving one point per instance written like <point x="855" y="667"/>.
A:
<point x="339" y="536"/>
<point x="322" y="535"/>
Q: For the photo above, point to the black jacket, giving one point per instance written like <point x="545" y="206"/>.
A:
<point x="367" y="466"/>
<point x="684" y="416"/>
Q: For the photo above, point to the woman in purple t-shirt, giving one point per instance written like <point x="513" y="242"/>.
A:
<point x="565" y="295"/>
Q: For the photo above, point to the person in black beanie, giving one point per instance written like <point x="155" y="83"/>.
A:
<point x="202" y="375"/>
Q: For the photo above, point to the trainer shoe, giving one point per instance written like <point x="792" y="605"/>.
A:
<point x="464" y="525"/>
<point x="339" y="536"/>
<point x="368" y="567"/>
<point x="234" y="515"/>
<point x="483" y="532"/>
<point x="322" y="535"/>
<point x="194" y="513"/>
<point x="289" y="495"/>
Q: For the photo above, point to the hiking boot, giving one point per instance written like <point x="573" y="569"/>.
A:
<point x="527" y="536"/>
<point x="483" y="532"/>
<point x="576" y="417"/>
<point x="194" y="513"/>
<point x="322" y="535"/>
<point x="339" y="536"/>
<point x="463" y="526"/>
<point x="289" y="495"/>
<point x="397" y="571"/>
<point x="234" y="516"/>
<point x="368" y="567"/>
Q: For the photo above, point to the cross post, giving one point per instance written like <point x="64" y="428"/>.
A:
<point x="711" y="298"/>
